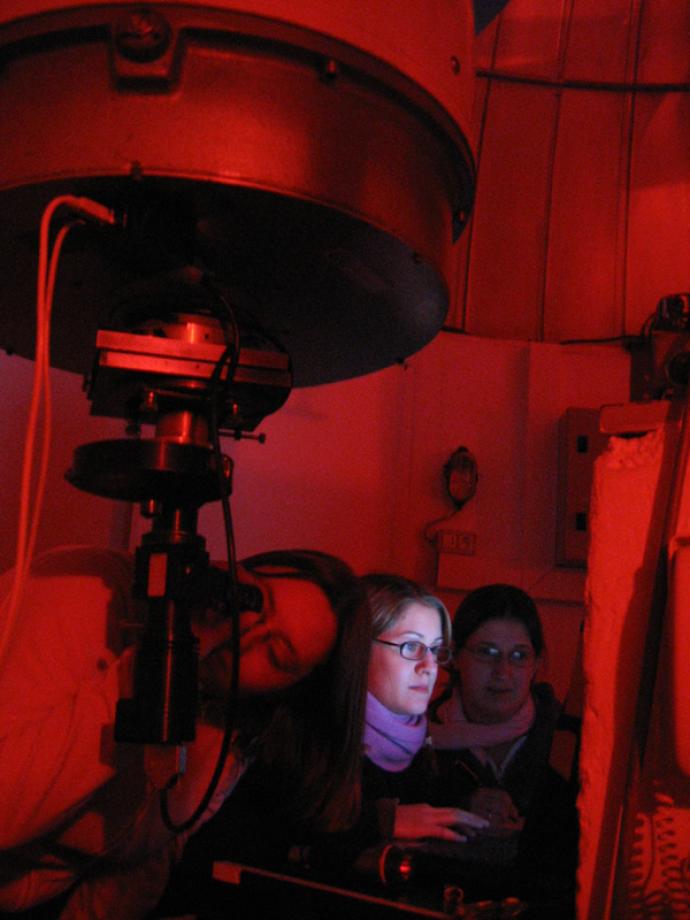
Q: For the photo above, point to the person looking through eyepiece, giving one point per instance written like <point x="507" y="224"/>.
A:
<point x="81" y="830"/>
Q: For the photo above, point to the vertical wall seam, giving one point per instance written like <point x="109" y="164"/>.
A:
<point x="632" y="69"/>
<point x="467" y="270"/>
<point x="563" y="41"/>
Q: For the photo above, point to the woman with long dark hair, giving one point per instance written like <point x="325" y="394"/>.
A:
<point x="82" y="830"/>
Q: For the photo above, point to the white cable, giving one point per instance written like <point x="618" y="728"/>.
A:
<point x="27" y="530"/>
<point x="47" y="401"/>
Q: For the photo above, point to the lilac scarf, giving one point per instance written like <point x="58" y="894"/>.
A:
<point x="455" y="731"/>
<point x="391" y="740"/>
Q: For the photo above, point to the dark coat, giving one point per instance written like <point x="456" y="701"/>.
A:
<point x="545" y="855"/>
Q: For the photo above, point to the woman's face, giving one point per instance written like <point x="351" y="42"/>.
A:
<point x="294" y="632"/>
<point x="404" y="686"/>
<point x="496" y="665"/>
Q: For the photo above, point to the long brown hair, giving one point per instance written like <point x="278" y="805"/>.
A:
<point x="312" y="747"/>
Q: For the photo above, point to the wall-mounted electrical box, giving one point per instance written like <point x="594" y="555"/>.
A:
<point x="580" y="443"/>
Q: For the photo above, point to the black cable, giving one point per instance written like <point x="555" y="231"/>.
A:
<point x="229" y="359"/>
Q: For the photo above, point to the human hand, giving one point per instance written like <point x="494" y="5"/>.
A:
<point x="414" y="822"/>
<point x="498" y="808"/>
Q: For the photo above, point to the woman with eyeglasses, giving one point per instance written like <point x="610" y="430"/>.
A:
<point x="493" y="732"/>
<point x="410" y="638"/>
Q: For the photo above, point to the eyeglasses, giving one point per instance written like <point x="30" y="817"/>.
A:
<point x="489" y="654"/>
<point x="413" y="650"/>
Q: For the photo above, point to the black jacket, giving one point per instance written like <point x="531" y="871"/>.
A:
<point x="545" y="856"/>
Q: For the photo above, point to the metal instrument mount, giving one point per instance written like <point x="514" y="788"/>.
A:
<point x="177" y="371"/>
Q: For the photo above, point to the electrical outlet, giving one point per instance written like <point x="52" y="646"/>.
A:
<point x="461" y="542"/>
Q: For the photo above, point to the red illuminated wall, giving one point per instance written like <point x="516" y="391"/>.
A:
<point x="69" y="516"/>
<point x="581" y="117"/>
